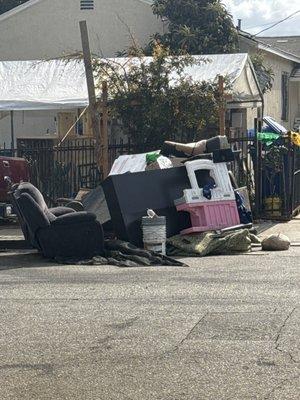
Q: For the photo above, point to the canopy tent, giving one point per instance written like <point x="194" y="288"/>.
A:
<point x="59" y="84"/>
<point x="42" y="85"/>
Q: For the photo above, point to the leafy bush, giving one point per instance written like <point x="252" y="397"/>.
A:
<point x="156" y="101"/>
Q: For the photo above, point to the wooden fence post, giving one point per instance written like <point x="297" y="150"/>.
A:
<point x="104" y="137"/>
<point x="222" y="109"/>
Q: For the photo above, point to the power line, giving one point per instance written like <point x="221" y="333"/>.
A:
<point x="269" y="23"/>
<point x="260" y="26"/>
<point x="266" y="24"/>
<point x="277" y="23"/>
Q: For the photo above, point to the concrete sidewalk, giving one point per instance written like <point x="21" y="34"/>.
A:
<point x="225" y="328"/>
<point x="290" y="229"/>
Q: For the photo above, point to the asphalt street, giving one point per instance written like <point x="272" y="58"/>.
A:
<point x="225" y="328"/>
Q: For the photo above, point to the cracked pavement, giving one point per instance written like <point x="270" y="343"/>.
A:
<point x="225" y="328"/>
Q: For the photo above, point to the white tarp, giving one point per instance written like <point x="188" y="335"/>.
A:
<point x="236" y="68"/>
<point x="56" y="84"/>
<point x="130" y="163"/>
<point x="206" y="67"/>
<point x="42" y="85"/>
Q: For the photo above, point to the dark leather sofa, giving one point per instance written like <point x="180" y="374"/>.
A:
<point x="59" y="231"/>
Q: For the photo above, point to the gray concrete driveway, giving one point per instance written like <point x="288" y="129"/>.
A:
<point x="225" y="328"/>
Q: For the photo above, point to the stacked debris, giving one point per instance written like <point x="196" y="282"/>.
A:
<point x="187" y="184"/>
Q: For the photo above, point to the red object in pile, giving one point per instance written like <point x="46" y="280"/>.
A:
<point x="16" y="170"/>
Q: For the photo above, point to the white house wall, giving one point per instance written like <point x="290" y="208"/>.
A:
<point x="50" y="28"/>
<point x="273" y="99"/>
<point x="294" y="104"/>
<point x="28" y="124"/>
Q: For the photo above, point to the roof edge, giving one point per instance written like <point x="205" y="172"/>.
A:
<point x="278" y="52"/>
<point x="279" y="37"/>
<point x="269" y="48"/>
<point x="20" y="8"/>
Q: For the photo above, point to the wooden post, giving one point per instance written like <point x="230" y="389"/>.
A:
<point x="12" y="133"/>
<point x="104" y="126"/>
<point x="95" y="117"/>
<point x="222" y="106"/>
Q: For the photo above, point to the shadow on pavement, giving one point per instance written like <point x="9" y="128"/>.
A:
<point x="23" y="259"/>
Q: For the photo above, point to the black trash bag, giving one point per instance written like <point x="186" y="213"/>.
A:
<point x="124" y="254"/>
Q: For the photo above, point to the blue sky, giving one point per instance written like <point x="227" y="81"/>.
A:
<point x="257" y="13"/>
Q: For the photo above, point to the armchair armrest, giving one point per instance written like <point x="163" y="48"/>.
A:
<point x="74" y="218"/>
<point x="63" y="200"/>
<point x="59" y="211"/>
<point x="70" y="203"/>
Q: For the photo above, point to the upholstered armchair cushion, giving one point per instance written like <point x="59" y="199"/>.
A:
<point x="27" y="187"/>
<point x="33" y="213"/>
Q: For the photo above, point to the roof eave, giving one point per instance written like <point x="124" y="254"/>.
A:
<point x="278" y="52"/>
<point x="16" y="10"/>
<point x="269" y="48"/>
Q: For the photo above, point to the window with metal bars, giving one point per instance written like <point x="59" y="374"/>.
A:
<point x="86" y="4"/>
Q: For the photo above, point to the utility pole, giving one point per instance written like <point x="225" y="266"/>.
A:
<point x="94" y="113"/>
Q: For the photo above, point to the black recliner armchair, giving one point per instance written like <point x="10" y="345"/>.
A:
<point x="27" y="187"/>
<point x="56" y="232"/>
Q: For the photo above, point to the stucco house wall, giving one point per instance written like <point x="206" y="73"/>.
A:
<point x="273" y="98"/>
<point x="27" y="124"/>
<point x="44" y="29"/>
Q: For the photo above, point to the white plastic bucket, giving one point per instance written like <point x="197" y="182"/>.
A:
<point x="154" y="234"/>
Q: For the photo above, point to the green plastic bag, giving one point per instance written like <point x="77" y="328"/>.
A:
<point x="152" y="157"/>
<point x="267" y="137"/>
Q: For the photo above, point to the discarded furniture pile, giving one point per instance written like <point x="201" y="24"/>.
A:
<point x="182" y="191"/>
<point x="69" y="236"/>
<point x="180" y="201"/>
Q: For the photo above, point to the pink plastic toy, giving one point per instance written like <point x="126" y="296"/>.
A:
<point x="210" y="216"/>
<point x="207" y="215"/>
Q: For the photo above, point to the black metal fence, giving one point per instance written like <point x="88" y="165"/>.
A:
<point x="271" y="173"/>
<point x="243" y="166"/>
<point x="296" y="181"/>
<point x="60" y="171"/>
<point x="278" y="179"/>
